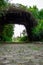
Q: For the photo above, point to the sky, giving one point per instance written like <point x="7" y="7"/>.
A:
<point x="18" y="30"/>
<point x="39" y="3"/>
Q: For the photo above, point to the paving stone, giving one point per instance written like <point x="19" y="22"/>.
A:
<point x="19" y="54"/>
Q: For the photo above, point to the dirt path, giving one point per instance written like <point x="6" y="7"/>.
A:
<point x="21" y="54"/>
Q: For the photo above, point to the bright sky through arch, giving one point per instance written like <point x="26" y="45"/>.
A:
<point x="18" y="30"/>
<point x="38" y="3"/>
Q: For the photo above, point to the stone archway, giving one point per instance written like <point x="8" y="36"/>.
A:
<point x="18" y="16"/>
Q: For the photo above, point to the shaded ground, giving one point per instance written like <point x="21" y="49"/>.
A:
<point x="21" y="54"/>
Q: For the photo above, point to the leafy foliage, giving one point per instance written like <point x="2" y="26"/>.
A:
<point x="3" y="4"/>
<point x="34" y="11"/>
<point x="37" y="31"/>
<point x="24" y="39"/>
<point x="41" y="14"/>
<point x="6" y="34"/>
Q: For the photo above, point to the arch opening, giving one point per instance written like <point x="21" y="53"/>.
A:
<point x="19" y="32"/>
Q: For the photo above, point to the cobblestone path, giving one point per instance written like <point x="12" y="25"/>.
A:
<point x="21" y="54"/>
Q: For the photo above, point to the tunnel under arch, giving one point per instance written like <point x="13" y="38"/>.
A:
<point x="18" y="16"/>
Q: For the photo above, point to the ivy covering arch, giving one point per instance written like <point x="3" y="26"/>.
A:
<point x="13" y="15"/>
